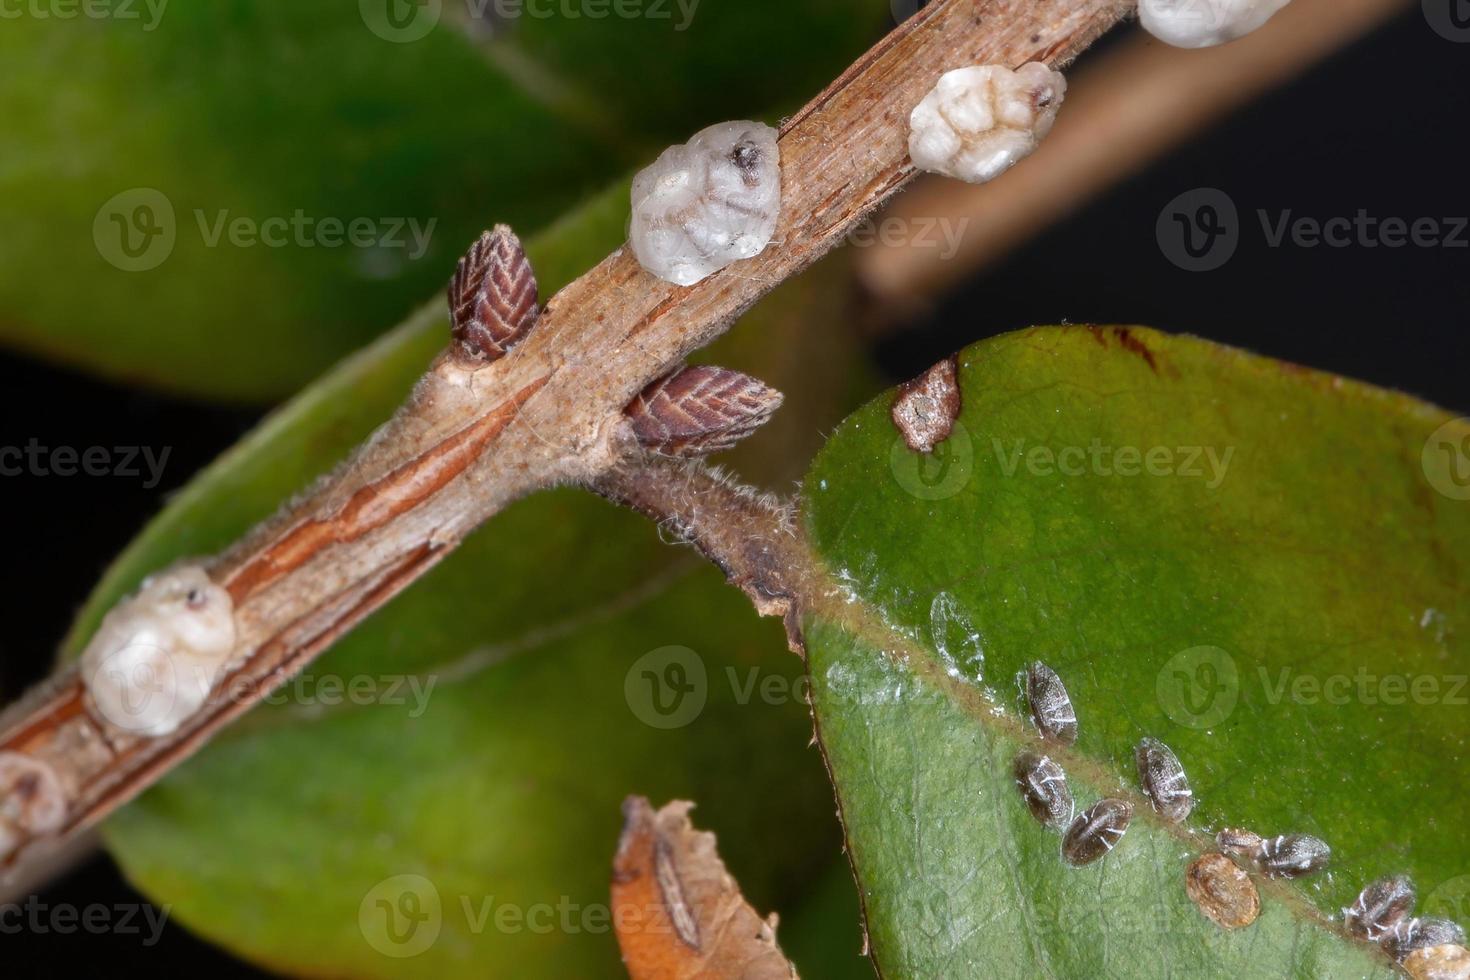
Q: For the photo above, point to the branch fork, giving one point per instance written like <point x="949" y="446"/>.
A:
<point x="525" y="398"/>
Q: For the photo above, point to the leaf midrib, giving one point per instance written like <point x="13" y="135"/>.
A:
<point x="825" y="596"/>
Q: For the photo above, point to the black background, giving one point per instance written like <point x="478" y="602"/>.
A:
<point x="1380" y="127"/>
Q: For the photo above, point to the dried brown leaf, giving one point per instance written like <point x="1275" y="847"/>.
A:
<point x="679" y="915"/>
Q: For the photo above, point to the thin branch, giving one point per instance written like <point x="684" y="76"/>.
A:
<point x="749" y="535"/>
<point x="1128" y="107"/>
<point x="476" y="436"/>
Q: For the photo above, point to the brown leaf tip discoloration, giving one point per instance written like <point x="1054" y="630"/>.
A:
<point x="679" y="915"/>
<point x="492" y="297"/>
<point x="1128" y="341"/>
<point x="1222" y="891"/>
<point x="926" y="407"/>
<point x="696" y="411"/>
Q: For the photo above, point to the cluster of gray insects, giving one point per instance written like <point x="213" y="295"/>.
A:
<point x="1380" y="914"/>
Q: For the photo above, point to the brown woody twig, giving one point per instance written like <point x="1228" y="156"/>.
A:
<point x="477" y="434"/>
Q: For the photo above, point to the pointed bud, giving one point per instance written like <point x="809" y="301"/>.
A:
<point x="492" y="297"/>
<point x="695" y="411"/>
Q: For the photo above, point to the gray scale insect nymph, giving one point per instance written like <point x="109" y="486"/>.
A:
<point x="1285" y="856"/>
<point x="1293" y="855"/>
<point x="1380" y="907"/>
<point x="1043" y="786"/>
<point x="1096" y="831"/>
<point x="1051" y="706"/>
<point x="1422" y="933"/>
<point x="1163" y="779"/>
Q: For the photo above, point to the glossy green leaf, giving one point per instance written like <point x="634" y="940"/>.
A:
<point x="1260" y="565"/>
<point x="224" y="198"/>
<point x="457" y="815"/>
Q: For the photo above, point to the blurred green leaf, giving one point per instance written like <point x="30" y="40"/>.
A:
<point x="138" y="143"/>
<point x="1260" y="565"/>
<point x="500" y="784"/>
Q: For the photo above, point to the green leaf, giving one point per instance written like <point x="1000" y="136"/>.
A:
<point x="299" y="113"/>
<point x="499" y="785"/>
<point x="1230" y="608"/>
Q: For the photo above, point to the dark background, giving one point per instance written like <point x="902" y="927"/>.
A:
<point x="1379" y="127"/>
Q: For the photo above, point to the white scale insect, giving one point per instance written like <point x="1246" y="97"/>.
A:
<point x="1204" y="23"/>
<point x="158" y="653"/>
<point x="1163" y="779"/>
<point x="707" y="203"/>
<point x="978" y="122"/>
<point x="32" y="802"/>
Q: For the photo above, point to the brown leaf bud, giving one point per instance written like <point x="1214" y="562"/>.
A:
<point x="492" y="297"/>
<point x="695" y="411"/>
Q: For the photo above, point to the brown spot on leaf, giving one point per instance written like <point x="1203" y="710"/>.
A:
<point x="1223" y="891"/>
<point x="678" y="914"/>
<point x="927" y="406"/>
<point x="1126" y="340"/>
<point x="1132" y="343"/>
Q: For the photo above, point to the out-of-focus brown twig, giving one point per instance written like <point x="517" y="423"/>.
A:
<point x="1124" y="109"/>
